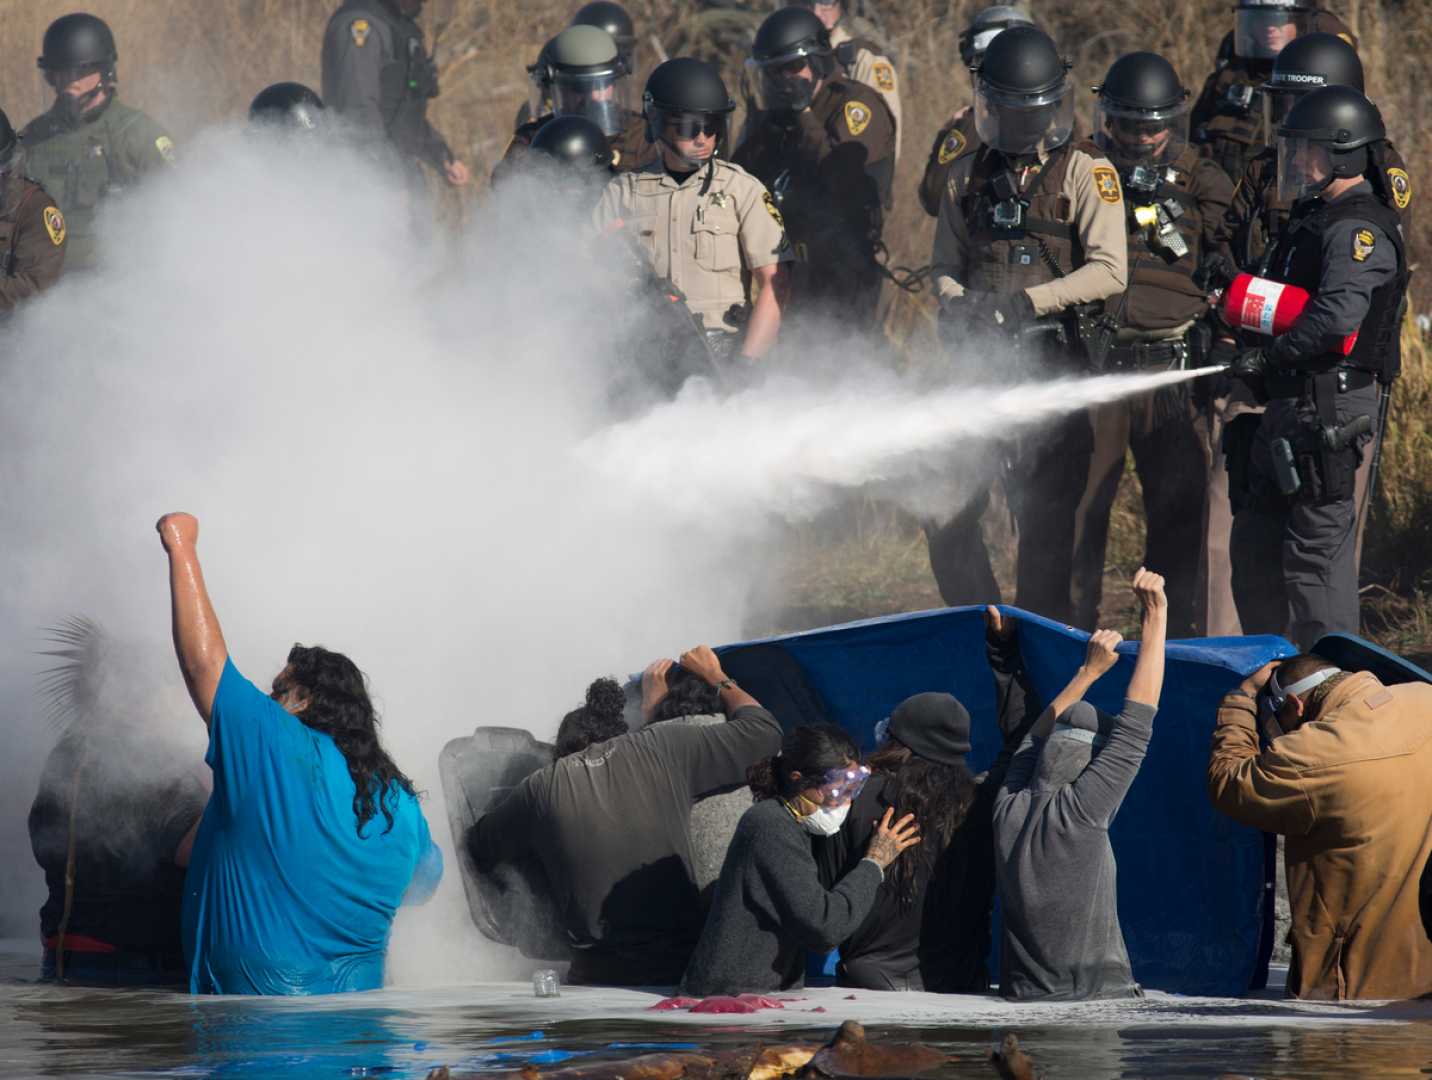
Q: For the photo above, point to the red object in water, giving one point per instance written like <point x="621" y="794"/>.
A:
<point x="818" y="1008"/>
<point x="760" y="1001"/>
<point x="672" y="1003"/>
<point x="1268" y="307"/>
<point x="724" y="1005"/>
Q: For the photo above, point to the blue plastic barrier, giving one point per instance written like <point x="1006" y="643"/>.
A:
<point x="1193" y="886"/>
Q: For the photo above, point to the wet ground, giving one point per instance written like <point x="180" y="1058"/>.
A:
<point x="47" y="1030"/>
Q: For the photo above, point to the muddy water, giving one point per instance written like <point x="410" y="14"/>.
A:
<point x="47" y="1030"/>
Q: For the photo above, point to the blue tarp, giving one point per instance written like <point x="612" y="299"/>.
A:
<point x="1193" y="885"/>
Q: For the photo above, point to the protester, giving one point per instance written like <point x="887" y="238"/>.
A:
<point x="671" y="694"/>
<point x="770" y="905"/>
<point x="1053" y="858"/>
<point x="608" y="822"/>
<point x="1344" y="777"/>
<point x="312" y="836"/>
<point x="930" y="926"/>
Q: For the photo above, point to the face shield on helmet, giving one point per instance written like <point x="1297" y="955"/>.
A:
<point x="1259" y="33"/>
<point x="1017" y="123"/>
<point x="787" y="83"/>
<point x="1141" y="136"/>
<point x="603" y="97"/>
<point x="1277" y="104"/>
<point x="1305" y="168"/>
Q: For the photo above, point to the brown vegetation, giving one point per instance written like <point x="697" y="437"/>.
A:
<point x="197" y="62"/>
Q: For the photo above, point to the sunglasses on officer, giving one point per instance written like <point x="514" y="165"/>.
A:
<point x="693" y="125"/>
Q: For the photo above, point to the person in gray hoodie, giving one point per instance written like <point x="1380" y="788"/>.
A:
<point x="1054" y="863"/>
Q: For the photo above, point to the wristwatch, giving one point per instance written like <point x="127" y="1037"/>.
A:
<point x="725" y="684"/>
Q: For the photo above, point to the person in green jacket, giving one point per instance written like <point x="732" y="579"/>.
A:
<point x="89" y="145"/>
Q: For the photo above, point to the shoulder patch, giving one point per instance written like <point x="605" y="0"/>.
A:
<point x="1106" y="183"/>
<point x="359" y="29"/>
<point x="857" y="117"/>
<point x="884" y="76"/>
<point x="951" y="148"/>
<point x="165" y="145"/>
<point x="1401" y="185"/>
<point x="55" y="225"/>
<point x="1363" y="241"/>
<point x="771" y="209"/>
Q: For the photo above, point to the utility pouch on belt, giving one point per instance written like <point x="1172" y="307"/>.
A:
<point x="1325" y="453"/>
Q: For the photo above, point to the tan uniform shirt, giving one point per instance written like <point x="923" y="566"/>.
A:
<point x="1098" y="216"/>
<point x="705" y="244"/>
<point x="876" y="72"/>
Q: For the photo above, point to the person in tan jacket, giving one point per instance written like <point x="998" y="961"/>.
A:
<point x="1345" y="778"/>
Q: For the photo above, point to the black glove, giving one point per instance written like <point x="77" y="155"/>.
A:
<point x="1223" y="352"/>
<point x="1013" y="313"/>
<point x="1215" y="273"/>
<point x="1251" y="364"/>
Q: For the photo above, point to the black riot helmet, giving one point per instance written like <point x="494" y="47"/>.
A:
<point x="1262" y="27"/>
<point x="1324" y="137"/>
<point x="573" y="141"/>
<point x="287" y="106"/>
<point x="1142" y="111"/>
<point x="1024" y="101"/>
<point x="75" y="46"/>
<point x="788" y="42"/>
<point x="8" y="143"/>
<point x="587" y="77"/>
<point x="1306" y="63"/>
<point x="682" y="95"/>
<point x="984" y="27"/>
<point x="613" y="18"/>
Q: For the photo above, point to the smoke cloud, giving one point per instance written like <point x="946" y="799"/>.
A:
<point x="401" y="448"/>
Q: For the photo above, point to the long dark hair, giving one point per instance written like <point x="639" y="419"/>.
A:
<point x="339" y="706"/>
<point x="811" y="751"/>
<point x="599" y="719"/>
<point x="940" y="796"/>
<point x="686" y="695"/>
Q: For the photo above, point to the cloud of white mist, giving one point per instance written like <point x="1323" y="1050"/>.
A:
<point x="404" y="456"/>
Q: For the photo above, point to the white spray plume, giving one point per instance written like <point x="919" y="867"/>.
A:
<point x="380" y="447"/>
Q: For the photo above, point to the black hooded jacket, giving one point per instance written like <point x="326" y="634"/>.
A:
<point x="941" y="941"/>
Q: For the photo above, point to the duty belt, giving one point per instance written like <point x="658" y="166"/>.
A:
<point x="1291" y="384"/>
<point x="1172" y="355"/>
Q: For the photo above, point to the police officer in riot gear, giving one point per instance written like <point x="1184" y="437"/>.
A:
<point x="958" y="135"/>
<point x="1292" y="484"/>
<point x="379" y="77"/>
<point x="1174" y="201"/>
<point x="32" y="228"/>
<point x="287" y="106"/>
<point x="574" y="141"/>
<point x="704" y="227"/>
<point x="585" y="76"/>
<point x="1257" y="216"/>
<point x="1227" y="119"/>
<point x="1031" y="240"/>
<point x="825" y="147"/>
<point x="860" y="57"/>
<point x="89" y="145"/>
<point x="613" y="18"/>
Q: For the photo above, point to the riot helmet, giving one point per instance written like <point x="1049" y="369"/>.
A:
<point x="539" y="84"/>
<point x="613" y="18"/>
<point x="1141" y="116"/>
<point x="684" y="97"/>
<point x="8" y="143"/>
<point x="1024" y="101"/>
<point x="76" y="46"/>
<point x="287" y="106"/>
<point x="1262" y="27"/>
<point x="986" y="25"/>
<point x="790" y="57"/>
<point x="574" y="141"/>
<point x="1324" y="138"/>
<point x="1308" y="62"/>
<point x="588" y="77"/>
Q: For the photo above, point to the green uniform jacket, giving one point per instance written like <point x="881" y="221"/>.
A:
<point x="32" y="239"/>
<point x="81" y="163"/>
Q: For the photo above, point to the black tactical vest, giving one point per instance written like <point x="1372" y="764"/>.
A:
<point x="1006" y="257"/>
<point x="1297" y="259"/>
<point x="1228" y="119"/>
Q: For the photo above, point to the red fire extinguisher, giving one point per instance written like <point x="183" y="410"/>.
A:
<point x="1268" y="307"/>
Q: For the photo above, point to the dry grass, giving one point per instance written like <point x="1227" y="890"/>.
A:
<point x="197" y="62"/>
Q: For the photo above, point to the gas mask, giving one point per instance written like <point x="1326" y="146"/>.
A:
<point x="825" y="821"/>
